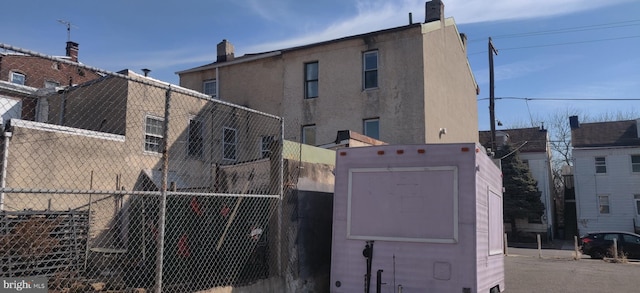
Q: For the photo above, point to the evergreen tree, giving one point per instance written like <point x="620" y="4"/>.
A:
<point x="521" y="194"/>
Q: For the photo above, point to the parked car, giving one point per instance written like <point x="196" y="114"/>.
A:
<point x="600" y="244"/>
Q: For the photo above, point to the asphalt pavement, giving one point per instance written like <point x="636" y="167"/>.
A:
<point x="556" y="269"/>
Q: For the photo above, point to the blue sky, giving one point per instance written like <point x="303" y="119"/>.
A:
<point x="555" y="53"/>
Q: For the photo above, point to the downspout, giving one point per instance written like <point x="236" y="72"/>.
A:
<point x="218" y="84"/>
<point x="5" y="159"/>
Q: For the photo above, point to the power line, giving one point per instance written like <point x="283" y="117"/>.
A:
<point x="568" y="30"/>
<point x="560" y="44"/>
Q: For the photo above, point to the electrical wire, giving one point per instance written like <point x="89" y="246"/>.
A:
<point x="565" y="30"/>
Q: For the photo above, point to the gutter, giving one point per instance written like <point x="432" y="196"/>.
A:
<point x="236" y="61"/>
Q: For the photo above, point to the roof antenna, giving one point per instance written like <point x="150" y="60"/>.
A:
<point x="69" y="25"/>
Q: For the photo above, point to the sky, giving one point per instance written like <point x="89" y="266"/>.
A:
<point x="578" y="56"/>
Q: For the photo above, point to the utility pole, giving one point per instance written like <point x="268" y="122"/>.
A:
<point x="492" y="114"/>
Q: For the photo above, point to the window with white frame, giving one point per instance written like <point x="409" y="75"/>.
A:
<point x="601" y="165"/>
<point x="153" y="134"/>
<point x="603" y="204"/>
<point x="637" y="198"/>
<point x="309" y="134"/>
<point x="635" y="163"/>
<point x="311" y="80"/>
<point x="210" y="87"/>
<point x="266" y="143"/>
<point x="229" y="143"/>
<point x="371" y="128"/>
<point x="51" y="84"/>
<point x="18" y="78"/>
<point x="370" y="69"/>
<point x="195" y="146"/>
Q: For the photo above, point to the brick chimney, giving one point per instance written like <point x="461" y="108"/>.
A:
<point x="225" y="51"/>
<point x="434" y="10"/>
<point x="574" y="123"/>
<point x="72" y="51"/>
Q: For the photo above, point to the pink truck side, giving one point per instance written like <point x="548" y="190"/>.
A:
<point x="417" y="218"/>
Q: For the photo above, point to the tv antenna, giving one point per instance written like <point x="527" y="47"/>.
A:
<point x="69" y="25"/>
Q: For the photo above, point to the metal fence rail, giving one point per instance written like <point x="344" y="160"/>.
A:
<point x="133" y="182"/>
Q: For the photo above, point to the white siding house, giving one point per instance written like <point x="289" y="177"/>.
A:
<point x="606" y="158"/>
<point x="534" y="149"/>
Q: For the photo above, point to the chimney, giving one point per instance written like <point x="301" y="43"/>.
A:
<point x="638" y="127"/>
<point x="72" y="51"/>
<point x="225" y="51"/>
<point x="573" y="122"/>
<point x="434" y="10"/>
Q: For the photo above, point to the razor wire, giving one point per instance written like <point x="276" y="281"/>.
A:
<point x="117" y="181"/>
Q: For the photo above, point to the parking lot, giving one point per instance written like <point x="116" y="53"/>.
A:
<point x="557" y="271"/>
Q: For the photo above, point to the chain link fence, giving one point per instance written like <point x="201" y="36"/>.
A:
<point x="117" y="181"/>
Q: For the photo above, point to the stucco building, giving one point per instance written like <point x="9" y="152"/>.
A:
<point x="409" y="84"/>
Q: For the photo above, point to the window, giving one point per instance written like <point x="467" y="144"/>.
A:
<point x="210" y="87"/>
<point x="372" y="128"/>
<point x="229" y="143"/>
<point x="51" y="84"/>
<point x="309" y="134"/>
<point x="311" y="80"/>
<point x="630" y="238"/>
<point x="153" y="134"/>
<point x="601" y="165"/>
<point x="18" y="78"/>
<point x="635" y="163"/>
<point x="370" y="69"/>
<point x="603" y="204"/>
<point x="637" y="198"/>
<point x="195" y="146"/>
<point x="265" y="145"/>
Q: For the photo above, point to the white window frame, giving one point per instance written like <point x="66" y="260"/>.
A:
<point x="226" y="144"/>
<point x="265" y="142"/>
<point x="602" y="163"/>
<point x="365" y="129"/>
<point x="12" y="77"/>
<point x="205" y="88"/>
<point x="51" y="84"/>
<point x="148" y="135"/>
<point x="308" y="140"/>
<point x="635" y="164"/>
<point x="308" y="80"/>
<point x="366" y="69"/>
<point x="199" y="149"/>
<point x="604" y="204"/>
<point x="636" y="197"/>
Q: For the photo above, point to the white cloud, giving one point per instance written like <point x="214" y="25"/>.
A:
<point x="376" y="15"/>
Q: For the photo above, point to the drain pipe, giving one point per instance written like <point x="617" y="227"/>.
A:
<point x="368" y="254"/>
<point x="5" y="158"/>
<point x="379" y="281"/>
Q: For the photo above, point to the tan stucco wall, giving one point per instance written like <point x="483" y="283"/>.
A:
<point x="450" y="88"/>
<point x="425" y="84"/>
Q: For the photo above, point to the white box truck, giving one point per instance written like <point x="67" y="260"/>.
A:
<point x="417" y="218"/>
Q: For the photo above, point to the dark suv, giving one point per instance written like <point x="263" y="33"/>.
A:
<point x="599" y="244"/>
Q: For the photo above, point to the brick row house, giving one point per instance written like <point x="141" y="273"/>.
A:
<point x="26" y="77"/>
